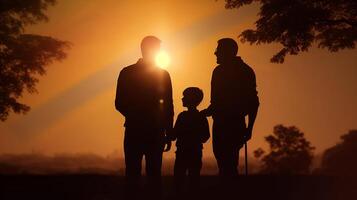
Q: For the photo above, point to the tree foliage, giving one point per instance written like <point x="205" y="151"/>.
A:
<point x="23" y="57"/>
<point x="289" y="152"/>
<point x="339" y="159"/>
<point x="297" y="24"/>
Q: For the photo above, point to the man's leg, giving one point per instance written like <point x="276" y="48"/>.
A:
<point x="133" y="157"/>
<point x="153" y="161"/>
<point x="227" y="155"/>
<point x="231" y="159"/>
<point x="226" y="145"/>
<point x="218" y="155"/>
<point x="218" y="147"/>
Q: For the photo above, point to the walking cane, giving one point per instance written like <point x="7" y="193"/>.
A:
<point x="246" y="157"/>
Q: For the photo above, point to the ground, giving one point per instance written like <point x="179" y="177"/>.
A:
<point x="107" y="187"/>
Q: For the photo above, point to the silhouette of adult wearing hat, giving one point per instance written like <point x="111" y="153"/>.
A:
<point x="144" y="97"/>
<point x="233" y="97"/>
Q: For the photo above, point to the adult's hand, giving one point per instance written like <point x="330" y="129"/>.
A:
<point x="248" y="134"/>
<point x="167" y="145"/>
<point x="205" y="112"/>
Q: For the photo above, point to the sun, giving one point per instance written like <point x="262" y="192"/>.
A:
<point x="162" y="59"/>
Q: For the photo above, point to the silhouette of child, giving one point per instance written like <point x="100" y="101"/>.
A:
<point x="191" y="130"/>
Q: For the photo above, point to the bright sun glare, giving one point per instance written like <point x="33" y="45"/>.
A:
<point x="162" y="59"/>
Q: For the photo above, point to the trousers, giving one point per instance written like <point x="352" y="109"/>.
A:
<point x="228" y="139"/>
<point x="140" y="143"/>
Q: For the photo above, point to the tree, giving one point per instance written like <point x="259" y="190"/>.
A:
<point x="290" y="152"/>
<point x="297" y="24"/>
<point x="23" y="57"/>
<point x="339" y="159"/>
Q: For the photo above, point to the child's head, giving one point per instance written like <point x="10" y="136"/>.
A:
<point x="192" y="97"/>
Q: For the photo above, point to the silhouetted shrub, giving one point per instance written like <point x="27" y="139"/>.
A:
<point x="289" y="152"/>
<point x="340" y="159"/>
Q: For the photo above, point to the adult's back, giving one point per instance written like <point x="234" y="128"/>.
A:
<point x="233" y="97"/>
<point x="144" y="97"/>
<point x="233" y="91"/>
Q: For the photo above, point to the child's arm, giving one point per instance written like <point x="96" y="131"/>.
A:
<point x="177" y="128"/>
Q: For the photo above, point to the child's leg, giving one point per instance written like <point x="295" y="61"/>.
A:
<point x="194" y="170"/>
<point x="179" y="171"/>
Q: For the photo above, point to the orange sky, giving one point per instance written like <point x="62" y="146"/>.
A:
<point x="74" y="109"/>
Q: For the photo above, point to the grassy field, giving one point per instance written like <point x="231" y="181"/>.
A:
<point x="106" y="187"/>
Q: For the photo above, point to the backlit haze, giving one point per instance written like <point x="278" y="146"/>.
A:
<point x="74" y="109"/>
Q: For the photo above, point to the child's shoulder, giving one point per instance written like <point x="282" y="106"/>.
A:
<point x="202" y="115"/>
<point x="197" y="114"/>
<point x="182" y="114"/>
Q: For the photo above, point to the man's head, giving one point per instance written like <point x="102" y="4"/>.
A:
<point x="192" y="97"/>
<point x="150" y="46"/>
<point x="226" y="50"/>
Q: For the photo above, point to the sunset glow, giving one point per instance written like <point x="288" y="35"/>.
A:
<point x="73" y="111"/>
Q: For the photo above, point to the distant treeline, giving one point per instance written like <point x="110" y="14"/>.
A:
<point x="35" y="163"/>
<point x="289" y="153"/>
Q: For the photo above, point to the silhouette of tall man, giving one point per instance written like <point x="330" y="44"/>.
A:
<point x="233" y="97"/>
<point x="144" y="97"/>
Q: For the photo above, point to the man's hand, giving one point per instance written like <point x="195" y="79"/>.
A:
<point x="248" y="134"/>
<point x="168" y="139"/>
<point x="205" y="112"/>
<point x="167" y="145"/>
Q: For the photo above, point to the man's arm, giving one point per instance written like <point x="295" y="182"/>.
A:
<point x="120" y="102"/>
<point x="168" y="104"/>
<point x="169" y="112"/>
<point x="210" y="110"/>
<point x="205" y="130"/>
<point x="253" y="105"/>
<point x="251" y="120"/>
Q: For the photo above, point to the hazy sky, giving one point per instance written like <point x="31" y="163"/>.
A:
<point x="74" y="109"/>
